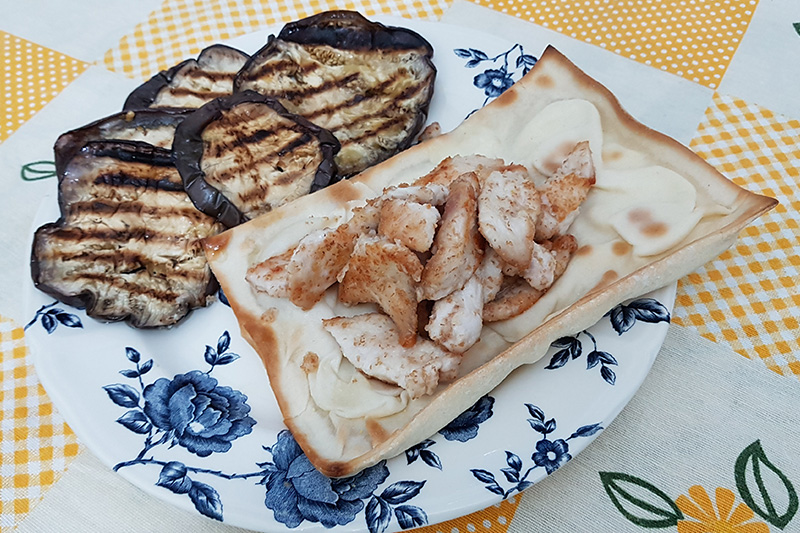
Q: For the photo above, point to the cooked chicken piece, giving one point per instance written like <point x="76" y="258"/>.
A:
<point x="434" y="193"/>
<point x="451" y="168"/>
<point x="457" y="247"/>
<point x="541" y="271"/>
<point x="431" y="131"/>
<point x="305" y="272"/>
<point x="564" y="192"/>
<point x="548" y="262"/>
<point x="562" y="248"/>
<point x="515" y="297"/>
<point x="371" y="343"/>
<point x="508" y="207"/>
<point x="271" y="276"/>
<point x="457" y="319"/>
<point x="409" y="223"/>
<point x="516" y="294"/>
<point x="490" y="274"/>
<point x="385" y="273"/>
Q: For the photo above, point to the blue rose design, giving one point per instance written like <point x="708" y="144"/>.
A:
<point x="551" y="454"/>
<point x="494" y="82"/>
<point x="196" y="413"/>
<point x="465" y="425"/>
<point x="296" y="491"/>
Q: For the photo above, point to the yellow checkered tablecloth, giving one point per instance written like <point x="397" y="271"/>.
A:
<point x="35" y="443"/>
<point x="745" y="298"/>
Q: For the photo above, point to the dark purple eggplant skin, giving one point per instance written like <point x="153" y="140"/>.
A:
<point x="188" y="148"/>
<point x="123" y="150"/>
<point x="144" y="95"/>
<point x="70" y="143"/>
<point x="349" y="30"/>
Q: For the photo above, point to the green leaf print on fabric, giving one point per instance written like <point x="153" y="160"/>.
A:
<point x="761" y="485"/>
<point x="765" y="492"/>
<point x="38" y="170"/>
<point x="639" y="501"/>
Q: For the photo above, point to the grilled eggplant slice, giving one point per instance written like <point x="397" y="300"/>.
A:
<point x="128" y="243"/>
<point x="191" y="83"/>
<point x="369" y="84"/>
<point x="155" y="127"/>
<point x="245" y="154"/>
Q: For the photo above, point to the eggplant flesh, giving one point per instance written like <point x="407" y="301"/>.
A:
<point x="243" y="155"/>
<point x="369" y="84"/>
<point x="191" y="83"/>
<point x="128" y="243"/>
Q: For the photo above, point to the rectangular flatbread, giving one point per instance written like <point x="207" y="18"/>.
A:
<point x="656" y="213"/>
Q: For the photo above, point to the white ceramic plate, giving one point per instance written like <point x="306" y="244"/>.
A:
<point x="151" y="403"/>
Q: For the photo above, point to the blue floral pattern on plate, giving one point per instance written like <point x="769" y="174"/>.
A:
<point x="549" y="454"/>
<point x="196" y="425"/>
<point x="623" y="317"/>
<point x="51" y="316"/>
<point x="193" y="411"/>
<point x="495" y="81"/>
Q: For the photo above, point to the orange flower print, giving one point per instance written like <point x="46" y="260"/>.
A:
<point x="702" y="517"/>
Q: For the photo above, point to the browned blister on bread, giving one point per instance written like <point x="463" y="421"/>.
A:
<point x="652" y="212"/>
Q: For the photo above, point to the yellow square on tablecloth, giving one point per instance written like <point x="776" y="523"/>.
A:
<point x="31" y="76"/>
<point x="35" y="443"/>
<point x="748" y="295"/>
<point x="181" y="28"/>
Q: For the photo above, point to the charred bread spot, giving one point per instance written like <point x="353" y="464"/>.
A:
<point x="609" y="276"/>
<point x="310" y="363"/>
<point x="507" y="98"/>
<point x="544" y="81"/>
<point x="621" y="248"/>
<point x="243" y="155"/>
<point x="377" y="433"/>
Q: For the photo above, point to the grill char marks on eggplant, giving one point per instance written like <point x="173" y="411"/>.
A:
<point x="367" y="83"/>
<point x="191" y="83"/>
<point x="243" y="155"/>
<point x="155" y="127"/>
<point x="128" y="243"/>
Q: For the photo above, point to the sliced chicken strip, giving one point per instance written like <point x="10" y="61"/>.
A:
<point x="456" y="320"/>
<point x="451" y="168"/>
<point x="541" y="271"/>
<point x="386" y="273"/>
<point x="490" y="274"/>
<point x="562" y="247"/>
<point x="409" y="223"/>
<point x="271" y="276"/>
<point x="564" y="192"/>
<point x="371" y="343"/>
<point x="321" y="255"/>
<point x="508" y="207"/>
<point x="434" y="193"/>
<point x="457" y="247"/>
<point x="515" y="297"/>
